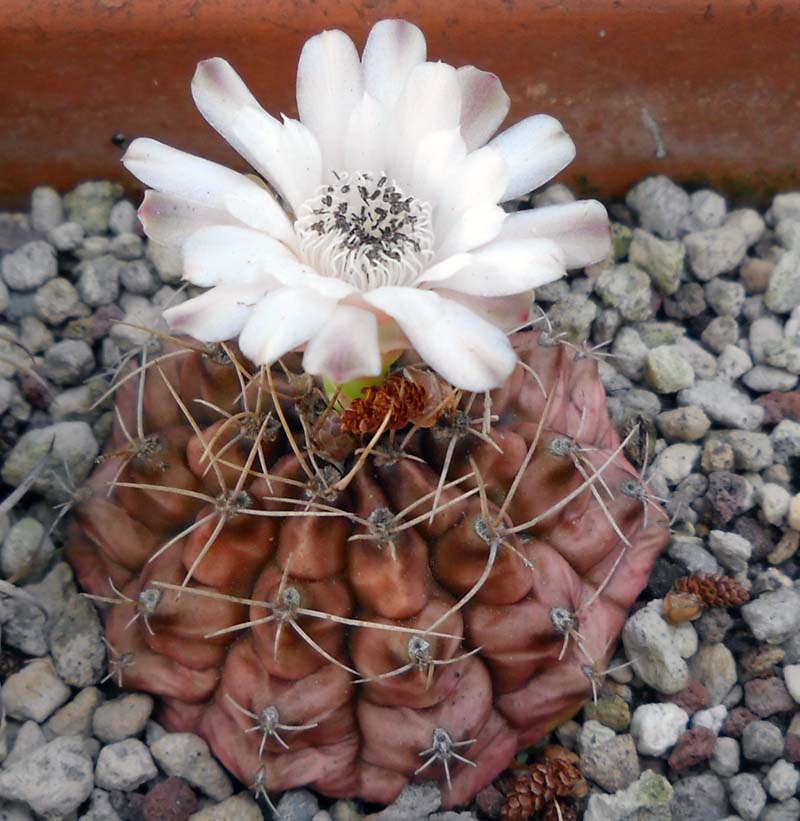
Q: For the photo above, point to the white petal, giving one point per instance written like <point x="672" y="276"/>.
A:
<point x="476" y="226"/>
<point x="430" y="101"/>
<point x="329" y="86"/>
<point x="437" y="154"/>
<point x="346" y="347"/>
<point x="203" y="182"/>
<point x="393" y="49"/>
<point x="580" y="228"/>
<point x="444" y="269"/>
<point x="283" y="320"/>
<point x="170" y="220"/>
<point x="466" y="350"/>
<point x="474" y="185"/>
<point x="216" y="315"/>
<point x="505" y="268"/>
<point x="287" y="153"/>
<point x="365" y="141"/>
<point x="536" y="149"/>
<point x="484" y="105"/>
<point x="229" y="255"/>
<point x="509" y="313"/>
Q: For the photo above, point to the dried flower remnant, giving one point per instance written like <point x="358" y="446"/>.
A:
<point x="389" y="232"/>
<point x="694" y="594"/>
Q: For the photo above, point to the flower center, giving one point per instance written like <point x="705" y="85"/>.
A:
<point x="366" y="231"/>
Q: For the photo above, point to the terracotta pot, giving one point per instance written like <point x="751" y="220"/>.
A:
<point x="683" y="87"/>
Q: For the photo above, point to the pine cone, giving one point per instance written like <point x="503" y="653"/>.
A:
<point x="401" y="398"/>
<point x="533" y="794"/>
<point x="715" y="591"/>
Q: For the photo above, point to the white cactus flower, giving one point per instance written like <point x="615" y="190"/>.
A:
<point x="380" y="227"/>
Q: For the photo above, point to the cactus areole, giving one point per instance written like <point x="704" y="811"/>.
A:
<point x="349" y="527"/>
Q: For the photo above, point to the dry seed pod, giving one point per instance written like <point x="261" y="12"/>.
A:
<point x="691" y="595"/>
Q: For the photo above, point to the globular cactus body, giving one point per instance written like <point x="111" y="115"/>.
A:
<point x="354" y="612"/>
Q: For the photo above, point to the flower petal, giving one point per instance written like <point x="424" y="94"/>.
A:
<point x="509" y="313"/>
<point x="535" y="149"/>
<point x="505" y="268"/>
<point x="170" y="220"/>
<point x="466" y="350"/>
<point x="230" y="255"/>
<point x="217" y="314"/>
<point x="437" y="154"/>
<point x="484" y="105"/>
<point x="580" y="228"/>
<point x="430" y="101"/>
<point x="329" y="86"/>
<point x="346" y="347"/>
<point x="467" y="214"/>
<point x="206" y="183"/>
<point x="444" y="269"/>
<point x="365" y="142"/>
<point x="287" y="153"/>
<point x="283" y="320"/>
<point x="393" y="49"/>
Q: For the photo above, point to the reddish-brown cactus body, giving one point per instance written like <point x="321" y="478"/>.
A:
<point x="422" y="618"/>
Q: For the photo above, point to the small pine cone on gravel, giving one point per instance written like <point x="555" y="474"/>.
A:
<point x="355" y="615"/>
<point x="534" y="792"/>
<point x="691" y="595"/>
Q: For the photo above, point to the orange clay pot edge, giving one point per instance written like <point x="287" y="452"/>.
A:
<point x="703" y="91"/>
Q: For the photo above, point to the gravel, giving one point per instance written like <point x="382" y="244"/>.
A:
<point x="700" y="309"/>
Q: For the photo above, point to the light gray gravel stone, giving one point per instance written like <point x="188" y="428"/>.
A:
<point x="749" y="222"/>
<point x="24" y="626"/>
<point x="731" y="550"/>
<point x="719" y="333"/>
<point x="29" y="738"/>
<point x="774" y="501"/>
<point x="46" y="209"/>
<point x="783" y="291"/>
<point x="646" y="799"/>
<point x="34" y="334"/>
<point x="76" y="644"/>
<point x="774" y="616"/>
<point x="414" y="802"/>
<point x="661" y="259"/>
<point x="752" y="450"/>
<point x="703" y="363"/>
<point x="34" y="692"/>
<point x="66" y="237"/>
<point x="57" y="301"/>
<point x="298" y="805"/>
<point x="657" y="727"/>
<point x="90" y="204"/>
<point x="132" y="331"/>
<point x="64" y="766"/>
<point x="75" y="717"/>
<point x="686" y="424"/>
<point x="699" y="798"/>
<point x="124" y="766"/>
<point x="677" y="461"/>
<point x="788" y="810"/>
<point x="69" y="362"/>
<point x="122" y="218"/>
<point x="724" y="297"/>
<point x="727" y="756"/>
<point x="167" y="261"/>
<point x="715" y="251"/>
<point x="72" y="451"/>
<point x="762" y="741"/>
<point x="593" y="734"/>
<point x="123" y="717"/>
<point x="715" y="667"/>
<point x="785" y="438"/>
<point x="660" y="205"/>
<point x="98" y="280"/>
<point x="747" y="796"/>
<point x="30" y="266"/>
<point x="711" y="718"/>
<point x="240" y="807"/>
<point x="138" y="277"/>
<point x="723" y="403"/>
<point x="101" y="808"/>
<point x="689" y="551"/>
<point x="651" y="647"/>
<point x="763" y="379"/>
<point x="187" y="756"/>
<point x="781" y="780"/>
<point x="127" y="247"/>
<point x="666" y="369"/>
<point x="785" y="206"/>
<point x="626" y="288"/>
<point x="26" y="550"/>
<point x="732" y="363"/>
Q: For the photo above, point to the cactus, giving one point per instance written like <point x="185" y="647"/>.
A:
<point x="354" y="608"/>
<point x="342" y="566"/>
